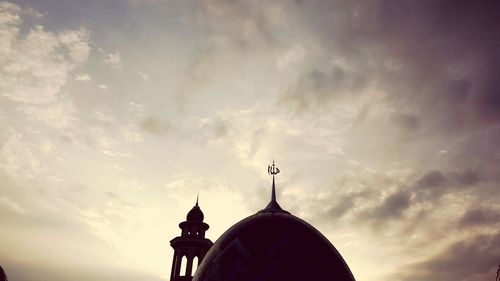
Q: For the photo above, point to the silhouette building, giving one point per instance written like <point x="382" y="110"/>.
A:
<point x="3" y="275"/>
<point x="191" y="246"/>
<point x="272" y="245"/>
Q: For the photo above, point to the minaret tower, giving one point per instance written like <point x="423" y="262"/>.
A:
<point x="189" y="248"/>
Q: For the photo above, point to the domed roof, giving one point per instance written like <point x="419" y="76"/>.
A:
<point x="273" y="245"/>
<point x="195" y="214"/>
<point x="3" y="275"/>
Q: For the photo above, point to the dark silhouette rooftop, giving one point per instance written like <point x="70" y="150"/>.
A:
<point x="195" y="214"/>
<point x="273" y="245"/>
<point x="3" y="275"/>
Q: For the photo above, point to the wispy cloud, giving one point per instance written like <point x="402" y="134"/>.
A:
<point x="383" y="118"/>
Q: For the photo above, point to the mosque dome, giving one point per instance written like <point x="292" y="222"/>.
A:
<point x="273" y="245"/>
<point x="3" y="275"/>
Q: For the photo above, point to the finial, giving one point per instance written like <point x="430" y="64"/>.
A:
<point x="273" y="206"/>
<point x="272" y="169"/>
<point x="197" y="197"/>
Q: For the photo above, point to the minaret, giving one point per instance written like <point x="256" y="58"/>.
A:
<point x="191" y="246"/>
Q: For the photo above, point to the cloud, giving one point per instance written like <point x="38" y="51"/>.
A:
<point x="292" y="56"/>
<point x="434" y="184"/>
<point x="20" y="158"/>
<point x="83" y="77"/>
<point x="104" y="115"/>
<point x="155" y="126"/>
<point x="10" y="18"/>
<point x="245" y="25"/>
<point x="467" y="178"/>
<point x="432" y="179"/>
<point x="57" y="115"/>
<point x="79" y="49"/>
<point x="237" y="30"/>
<point x="434" y="60"/>
<point x="113" y="59"/>
<point x="382" y="113"/>
<point x="393" y="206"/>
<point x="479" y="216"/>
<point x="214" y="129"/>
<point x="406" y="200"/>
<point x="6" y="201"/>
<point x="472" y="259"/>
<point x="409" y="122"/>
<point x="36" y="64"/>
<point x="342" y="207"/>
<point x="319" y="87"/>
<point x="36" y="67"/>
<point x="142" y="75"/>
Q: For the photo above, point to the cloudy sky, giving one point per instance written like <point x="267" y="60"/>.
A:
<point x="383" y="116"/>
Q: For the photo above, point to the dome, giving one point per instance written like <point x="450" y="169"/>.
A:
<point x="276" y="246"/>
<point x="3" y="276"/>
<point x="195" y="214"/>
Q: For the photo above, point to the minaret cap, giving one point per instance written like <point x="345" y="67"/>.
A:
<point x="195" y="214"/>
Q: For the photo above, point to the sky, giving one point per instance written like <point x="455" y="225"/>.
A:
<point x="383" y="117"/>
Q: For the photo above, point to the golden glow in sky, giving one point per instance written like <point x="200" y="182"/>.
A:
<point x="383" y="119"/>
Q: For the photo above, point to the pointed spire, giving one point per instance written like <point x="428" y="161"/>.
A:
<point x="195" y="214"/>
<point x="273" y="205"/>
<point x="273" y="192"/>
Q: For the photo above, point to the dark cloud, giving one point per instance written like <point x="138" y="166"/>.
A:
<point x="447" y="45"/>
<point x="437" y="59"/>
<point x="473" y="259"/>
<point x="220" y="129"/>
<point x="479" y="216"/>
<point x="341" y="208"/>
<point x="478" y="152"/>
<point x="338" y="205"/>
<point x="392" y="207"/>
<point x="431" y="180"/>
<point x="317" y="88"/>
<point x="216" y="128"/>
<point x="467" y="178"/>
<point x="373" y="206"/>
<point x="111" y="195"/>
<point x="434" y="184"/>
<point x="430" y="186"/>
<point x="426" y="190"/>
<point x="155" y="126"/>
<point x="407" y="121"/>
